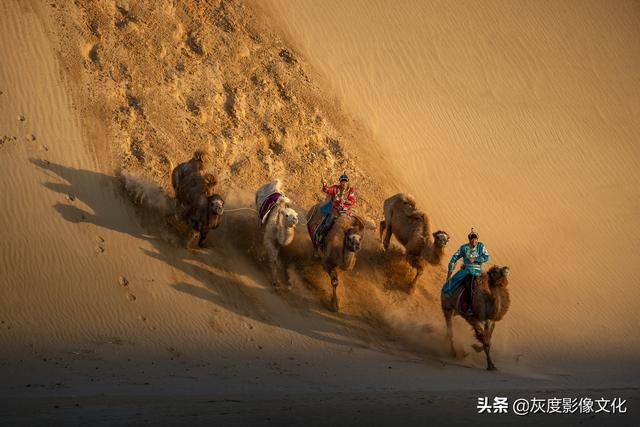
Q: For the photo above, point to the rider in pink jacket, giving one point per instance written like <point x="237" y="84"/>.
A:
<point x="343" y="197"/>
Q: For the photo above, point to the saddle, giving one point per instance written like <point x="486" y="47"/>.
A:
<point x="267" y="205"/>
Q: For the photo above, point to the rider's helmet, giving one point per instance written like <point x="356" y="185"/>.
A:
<point x="472" y="234"/>
<point x="344" y="177"/>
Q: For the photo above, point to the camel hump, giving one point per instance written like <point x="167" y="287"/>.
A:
<point x="408" y="199"/>
<point x="404" y="201"/>
<point x="201" y="155"/>
<point x="210" y="179"/>
<point x="275" y="186"/>
<point x="419" y="215"/>
<point x="404" y="198"/>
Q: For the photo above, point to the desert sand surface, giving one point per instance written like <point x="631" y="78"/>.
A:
<point x="519" y="121"/>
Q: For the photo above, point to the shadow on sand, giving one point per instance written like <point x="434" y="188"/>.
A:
<point x="216" y="270"/>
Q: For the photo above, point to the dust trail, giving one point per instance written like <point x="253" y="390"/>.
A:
<point x="147" y="193"/>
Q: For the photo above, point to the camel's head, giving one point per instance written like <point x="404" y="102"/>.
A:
<point x="216" y="204"/>
<point x="353" y="240"/>
<point x="441" y="238"/>
<point x="290" y="217"/>
<point x="498" y="276"/>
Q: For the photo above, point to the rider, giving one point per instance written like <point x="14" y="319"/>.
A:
<point x="343" y="197"/>
<point x="474" y="254"/>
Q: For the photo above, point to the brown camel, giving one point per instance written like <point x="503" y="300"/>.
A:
<point x="341" y="244"/>
<point x="413" y="230"/>
<point x="207" y="215"/>
<point x="489" y="304"/>
<point x="198" y="206"/>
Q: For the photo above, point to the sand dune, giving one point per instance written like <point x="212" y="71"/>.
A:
<point x="516" y="121"/>
<point x="519" y="121"/>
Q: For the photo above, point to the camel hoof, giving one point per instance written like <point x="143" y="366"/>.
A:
<point x="491" y="368"/>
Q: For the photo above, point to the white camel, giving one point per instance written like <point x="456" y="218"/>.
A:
<point x="278" y="220"/>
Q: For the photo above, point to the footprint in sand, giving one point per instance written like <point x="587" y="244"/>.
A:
<point x="123" y="281"/>
<point x="5" y="139"/>
<point x="131" y="297"/>
<point x="21" y="118"/>
<point x="100" y="247"/>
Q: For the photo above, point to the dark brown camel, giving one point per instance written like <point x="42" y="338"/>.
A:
<point x="198" y="206"/>
<point x="489" y="304"/>
<point x="412" y="229"/>
<point x="342" y="242"/>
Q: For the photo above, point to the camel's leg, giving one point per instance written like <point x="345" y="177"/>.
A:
<point x="481" y="335"/>
<point x="387" y="236"/>
<point x="489" y="325"/>
<point x="192" y="238"/>
<point x="487" y="351"/>
<point x="448" y="314"/>
<point x="415" y="263"/>
<point x="272" y="253"/>
<point x="334" y="283"/>
<point x="203" y="237"/>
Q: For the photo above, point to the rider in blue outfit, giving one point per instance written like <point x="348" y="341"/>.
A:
<point x="474" y="254"/>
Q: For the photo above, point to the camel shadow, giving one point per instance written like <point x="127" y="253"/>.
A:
<point x="219" y="284"/>
<point x="99" y="199"/>
<point x="87" y="187"/>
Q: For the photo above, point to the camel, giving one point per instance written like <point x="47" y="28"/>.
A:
<point x="341" y="245"/>
<point x="489" y="305"/>
<point x="198" y="206"/>
<point x="413" y="230"/>
<point x="207" y="215"/>
<point x="278" y="222"/>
